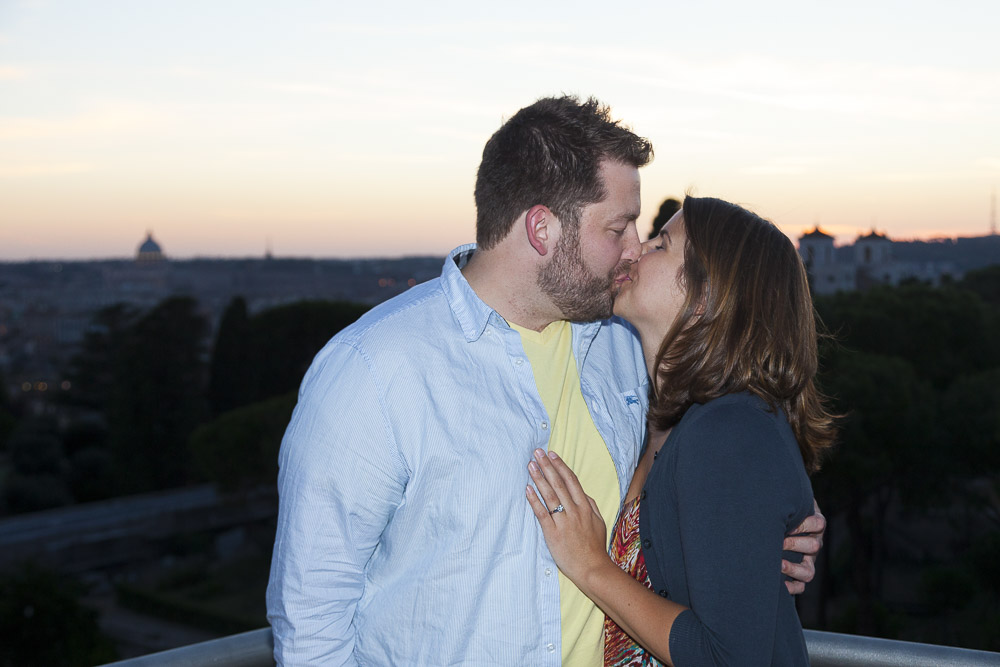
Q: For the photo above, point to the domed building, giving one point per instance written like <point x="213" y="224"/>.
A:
<point x="149" y="251"/>
<point x="865" y="264"/>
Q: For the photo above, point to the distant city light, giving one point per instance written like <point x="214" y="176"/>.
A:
<point x="41" y="386"/>
<point x="26" y="386"/>
<point x="65" y="385"/>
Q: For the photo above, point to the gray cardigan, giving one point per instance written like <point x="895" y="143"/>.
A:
<point x="726" y="487"/>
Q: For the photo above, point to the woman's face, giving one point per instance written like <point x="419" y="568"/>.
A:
<point x="654" y="295"/>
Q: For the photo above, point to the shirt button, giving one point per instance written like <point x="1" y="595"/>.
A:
<point x="662" y="592"/>
<point x="551" y="648"/>
<point x="646" y="544"/>
<point x="544" y="425"/>
<point x="548" y="572"/>
<point x="518" y="361"/>
<point x="642" y="496"/>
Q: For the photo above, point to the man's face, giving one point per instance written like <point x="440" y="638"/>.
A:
<point x="589" y="264"/>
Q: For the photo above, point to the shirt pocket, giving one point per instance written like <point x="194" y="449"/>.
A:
<point x="628" y="414"/>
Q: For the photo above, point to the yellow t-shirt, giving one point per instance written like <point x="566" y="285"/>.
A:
<point x="575" y="438"/>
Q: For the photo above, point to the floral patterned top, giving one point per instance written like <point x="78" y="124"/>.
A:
<point x="620" y="650"/>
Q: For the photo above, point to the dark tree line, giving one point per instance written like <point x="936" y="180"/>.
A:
<point x="144" y="382"/>
<point x="257" y="366"/>
<point x="912" y="491"/>
<point x="914" y="484"/>
<point x="266" y="355"/>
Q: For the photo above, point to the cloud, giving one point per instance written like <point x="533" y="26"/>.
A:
<point x="50" y="169"/>
<point x="307" y="88"/>
<point x="397" y="158"/>
<point x="782" y="166"/>
<point x="839" y="86"/>
<point x="186" y="72"/>
<point x="115" y="119"/>
<point x="414" y="29"/>
<point x="451" y="132"/>
<point x="10" y="73"/>
<point x="922" y="176"/>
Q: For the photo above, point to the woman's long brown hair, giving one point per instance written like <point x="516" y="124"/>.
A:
<point x="747" y="324"/>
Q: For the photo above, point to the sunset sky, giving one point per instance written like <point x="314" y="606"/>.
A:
<point x="338" y="129"/>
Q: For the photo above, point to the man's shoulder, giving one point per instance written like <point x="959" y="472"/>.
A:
<point x="418" y="310"/>
<point x="391" y="336"/>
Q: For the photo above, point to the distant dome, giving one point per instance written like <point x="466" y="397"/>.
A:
<point x="149" y="250"/>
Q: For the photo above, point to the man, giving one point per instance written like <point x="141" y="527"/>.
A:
<point x="404" y="537"/>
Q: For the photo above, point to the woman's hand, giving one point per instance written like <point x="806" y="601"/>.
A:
<point x="576" y="534"/>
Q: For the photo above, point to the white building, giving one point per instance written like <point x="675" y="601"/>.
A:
<point x="871" y="263"/>
<point x="826" y="273"/>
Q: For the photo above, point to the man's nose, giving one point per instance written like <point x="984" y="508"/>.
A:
<point x="633" y="247"/>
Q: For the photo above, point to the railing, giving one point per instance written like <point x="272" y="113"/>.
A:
<point x="826" y="649"/>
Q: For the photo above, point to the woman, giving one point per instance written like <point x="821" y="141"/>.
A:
<point x="722" y="306"/>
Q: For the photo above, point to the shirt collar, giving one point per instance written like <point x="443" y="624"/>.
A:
<point x="473" y="314"/>
<point x="470" y="311"/>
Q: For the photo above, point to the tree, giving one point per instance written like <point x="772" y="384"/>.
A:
<point x="91" y="474"/>
<point x="7" y="419"/>
<point x="93" y="370"/>
<point x="984" y="282"/>
<point x="667" y="210"/>
<point x="232" y="373"/>
<point x="288" y="337"/>
<point x="970" y="420"/>
<point x="942" y="332"/>
<point x="239" y="449"/>
<point x="39" y="468"/>
<point x="158" y="396"/>
<point x="267" y="354"/>
<point x="885" y="453"/>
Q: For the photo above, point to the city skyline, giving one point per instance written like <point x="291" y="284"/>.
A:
<point x="318" y="130"/>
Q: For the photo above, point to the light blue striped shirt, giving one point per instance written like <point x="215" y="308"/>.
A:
<point x="404" y="537"/>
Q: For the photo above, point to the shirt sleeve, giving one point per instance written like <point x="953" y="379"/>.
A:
<point x="340" y="479"/>
<point x="735" y="490"/>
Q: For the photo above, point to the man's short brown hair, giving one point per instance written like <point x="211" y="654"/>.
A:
<point x="549" y="153"/>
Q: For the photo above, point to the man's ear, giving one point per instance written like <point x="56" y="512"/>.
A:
<point x="540" y="228"/>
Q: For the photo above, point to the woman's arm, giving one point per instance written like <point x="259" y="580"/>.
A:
<point x="736" y="483"/>
<point x="733" y="492"/>
<point x="577" y="539"/>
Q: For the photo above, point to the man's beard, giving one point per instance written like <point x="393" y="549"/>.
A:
<point x="580" y="295"/>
